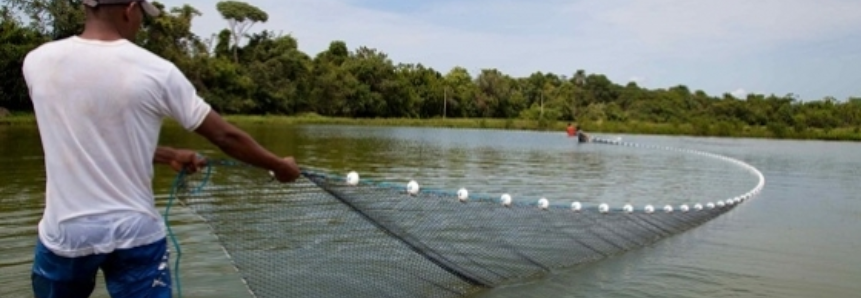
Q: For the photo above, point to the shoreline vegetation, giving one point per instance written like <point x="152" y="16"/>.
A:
<point x="720" y="129"/>
<point x="262" y="76"/>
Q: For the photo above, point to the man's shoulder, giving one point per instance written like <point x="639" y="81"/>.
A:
<point x="163" y="70"/>
<point x="147" y="57"/>
<point x="43" y="55"/>
<point x="46" y="48"/>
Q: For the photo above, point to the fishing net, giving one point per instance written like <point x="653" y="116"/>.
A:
<point x="326" y="236"/>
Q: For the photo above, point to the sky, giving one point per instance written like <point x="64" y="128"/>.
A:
<point x="811" y="48"/>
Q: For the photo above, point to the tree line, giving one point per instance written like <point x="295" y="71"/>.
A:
<point x="244" y="72"/>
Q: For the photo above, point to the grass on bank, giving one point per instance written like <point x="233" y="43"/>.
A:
<point x="18" y="119"/>
<point x="719" y="129"/>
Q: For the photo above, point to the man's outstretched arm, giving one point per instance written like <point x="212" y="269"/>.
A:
<point x="181" y="102"/>
<point x="238" y="144"/>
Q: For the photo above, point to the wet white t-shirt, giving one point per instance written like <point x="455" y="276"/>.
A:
<point x="99" y="106"/>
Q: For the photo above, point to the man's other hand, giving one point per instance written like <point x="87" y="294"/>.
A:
<point x="188" y="160"/>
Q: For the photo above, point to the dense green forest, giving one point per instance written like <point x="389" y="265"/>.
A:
<point x="242" y="71"/>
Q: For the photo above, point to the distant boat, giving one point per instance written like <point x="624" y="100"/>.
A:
<point x="583" y="138"/>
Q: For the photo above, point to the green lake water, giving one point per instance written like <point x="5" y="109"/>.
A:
<point x="799" y="238"/>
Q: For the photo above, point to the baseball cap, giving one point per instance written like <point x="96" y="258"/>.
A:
<point x="150" y="9"/>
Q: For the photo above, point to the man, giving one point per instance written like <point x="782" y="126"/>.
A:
<point x="99" y="101"/>
<point x="571" y="130"/>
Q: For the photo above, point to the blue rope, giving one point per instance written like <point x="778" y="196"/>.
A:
<point x="178" y="183"/>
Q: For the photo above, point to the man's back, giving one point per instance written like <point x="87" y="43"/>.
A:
<point x="99" y="107"/>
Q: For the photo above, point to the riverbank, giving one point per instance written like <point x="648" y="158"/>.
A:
<point x="720" y="129"/>
<point x="701" y="128"/>
<point x="18" y="119"/>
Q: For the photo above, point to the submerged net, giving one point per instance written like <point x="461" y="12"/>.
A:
<point x="323" y="237"/>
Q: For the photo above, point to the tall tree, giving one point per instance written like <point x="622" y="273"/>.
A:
<point x="55" y="18"/>
<point x="17" y="40"/>
<point x="240" y="17"/>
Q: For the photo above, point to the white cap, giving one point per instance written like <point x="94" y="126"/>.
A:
<point x="150" y="9"/>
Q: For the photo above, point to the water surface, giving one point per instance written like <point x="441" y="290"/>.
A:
<point x="797" y="239"/>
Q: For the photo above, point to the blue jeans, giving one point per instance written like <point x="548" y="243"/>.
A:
<point x="136" y="272"/>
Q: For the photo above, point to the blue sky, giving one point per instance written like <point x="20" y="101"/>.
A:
<point x="808" y="47"/>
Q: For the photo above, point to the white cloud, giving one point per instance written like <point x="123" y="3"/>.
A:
<point x="730" y="27"/>
<point x="739" y="93"/>
<point x="614" y="37"/>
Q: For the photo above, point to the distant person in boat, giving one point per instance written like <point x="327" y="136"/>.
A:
<point x="99" y="101"/>
<point x="571" y="130"/>
<point x="582" y="137"/>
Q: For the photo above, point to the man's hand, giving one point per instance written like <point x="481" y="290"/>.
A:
<point x="179" y="159"/>
<point x="288" y="171"/>
<point x="188" y="160"/>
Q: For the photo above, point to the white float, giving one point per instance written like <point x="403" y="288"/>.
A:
<point x="462" y="195"/>
<point x="413" y="187"/>
<point x="353" y="178"/>
<point x="543" y="203"/>
<point x="604" y="208"/>
<point x="505" y="199"/>
<point x="628" y="208"/>
<point x="576" y="206"/>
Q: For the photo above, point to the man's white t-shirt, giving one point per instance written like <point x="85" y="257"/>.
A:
<point x="99" y="107"/>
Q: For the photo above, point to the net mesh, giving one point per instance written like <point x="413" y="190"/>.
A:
<point x="322" y="237"/>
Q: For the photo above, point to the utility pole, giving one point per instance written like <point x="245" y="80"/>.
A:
<point x="542" y="105"/>
<point x="444" y="101"/>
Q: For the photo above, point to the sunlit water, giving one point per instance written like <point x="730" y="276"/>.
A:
<point x="797" y="239"/>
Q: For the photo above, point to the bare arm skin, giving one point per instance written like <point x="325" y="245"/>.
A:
<point x="238" y="144"/>
<point x="164" y="155"/>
